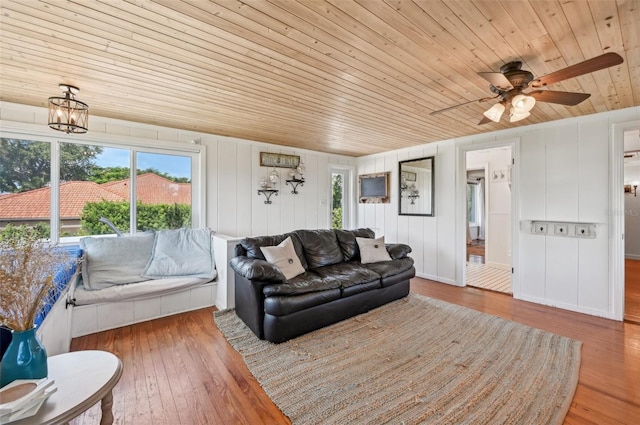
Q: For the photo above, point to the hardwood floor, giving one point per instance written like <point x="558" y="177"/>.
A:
<point x="181" y="370"/>
<point x="632" y="291"/>
<point x="475" y="251"/>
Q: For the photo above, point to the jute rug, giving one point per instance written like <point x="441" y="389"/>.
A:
<point x="415" y="361"/>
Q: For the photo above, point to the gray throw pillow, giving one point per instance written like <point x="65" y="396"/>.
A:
<point x="181" y="253"/>
<point x="112" y="261"/>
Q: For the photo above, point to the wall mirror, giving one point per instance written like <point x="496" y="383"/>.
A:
<point x="416" y="187"/>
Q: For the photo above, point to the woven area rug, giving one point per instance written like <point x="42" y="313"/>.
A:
<point x="414" y="361"/>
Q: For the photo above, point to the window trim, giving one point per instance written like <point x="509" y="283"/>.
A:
<point x="198" y="153"/>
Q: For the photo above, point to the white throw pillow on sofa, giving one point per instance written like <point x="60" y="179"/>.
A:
<point x="284" y="257"/>
<point x="372" y="250"/>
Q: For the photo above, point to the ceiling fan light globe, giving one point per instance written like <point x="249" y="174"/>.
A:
<point x="523" y="103"/>
<point x="517" y="115"/>
<point x="495" y="112"/>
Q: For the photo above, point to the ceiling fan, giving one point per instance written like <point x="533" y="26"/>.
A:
<point x="509" y="85"/>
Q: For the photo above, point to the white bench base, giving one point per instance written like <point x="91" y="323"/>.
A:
<point x="55" y="330"/>
<point x="88" y="319"/>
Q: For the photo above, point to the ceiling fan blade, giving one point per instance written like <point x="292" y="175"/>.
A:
<point x="484" y="120"/>
<point x="484" y="99"/>
<point x="497" y="79"/>
<point x="561" y="97"/>
<point x="590" y="65"/>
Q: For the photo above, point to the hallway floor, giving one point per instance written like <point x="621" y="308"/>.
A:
<point x="482" y="276"/>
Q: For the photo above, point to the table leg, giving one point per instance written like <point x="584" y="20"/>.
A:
<point x="107" y="412"/>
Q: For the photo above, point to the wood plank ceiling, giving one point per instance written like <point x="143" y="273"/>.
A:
<point x="339" y="76"/>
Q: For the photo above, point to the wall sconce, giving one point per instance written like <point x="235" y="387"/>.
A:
<point x="294" y="180"/>
<point x="67" y="113"/>
<point x="631" y="189"/>
<point x="266" y="186"/>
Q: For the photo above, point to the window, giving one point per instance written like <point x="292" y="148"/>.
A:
<point x="71" y="188"/>
<point x="25" y="175"/>
<point x="341" y="187"/>
<point x="473" y="193"/>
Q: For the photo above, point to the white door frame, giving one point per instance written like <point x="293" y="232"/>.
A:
<point x="461" y="195"/>
<point x="616" y="217"/>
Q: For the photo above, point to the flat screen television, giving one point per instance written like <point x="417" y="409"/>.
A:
<point x="374" y="188"/>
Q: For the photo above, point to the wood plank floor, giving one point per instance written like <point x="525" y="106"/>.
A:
<point x="632" y="290"/>
<point x="181" y="370"/>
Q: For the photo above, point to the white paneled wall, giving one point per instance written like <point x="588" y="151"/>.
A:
<point x="233" y="171"/>
<point x="563" y="174"/>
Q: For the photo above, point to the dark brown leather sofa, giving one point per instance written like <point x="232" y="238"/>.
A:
<point x="334" y="286"/>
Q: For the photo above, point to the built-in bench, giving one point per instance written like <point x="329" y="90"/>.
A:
<point x="78" y="311"/>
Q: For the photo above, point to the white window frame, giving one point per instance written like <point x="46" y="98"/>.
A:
<point x="198" y="154"/>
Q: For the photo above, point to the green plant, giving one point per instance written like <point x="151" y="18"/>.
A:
<point x="149" y="217"/>
<point x="336" y="218"/>
<point x="10" y="231"/>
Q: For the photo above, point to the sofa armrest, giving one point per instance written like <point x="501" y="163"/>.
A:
<point x="254" y="269"/>
<point x="397" y="250"/>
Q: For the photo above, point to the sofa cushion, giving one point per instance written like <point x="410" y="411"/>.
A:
<point x="398" y="278"/>
<point x="284" y="257"/>
<point x="308" y="281"/>
<point x="390" y="268"/>
<point x="348" y="244"/>
<point x="349" y="275"/>
<point x="284" y="305"/>
<point x="181" y="253"/>
<point x="252" y="246"/>
<point x="321" y="247"/>
<point x="372" y="250"/>
<point x="115" y="261"/>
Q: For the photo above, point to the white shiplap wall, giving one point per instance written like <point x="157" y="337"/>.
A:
<point x="233" y="171"/>
<point x="563" y="174"/>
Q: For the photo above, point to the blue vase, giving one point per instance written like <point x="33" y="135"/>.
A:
<point x="25" y="358"/>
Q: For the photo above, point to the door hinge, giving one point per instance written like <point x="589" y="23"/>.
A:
<point x="511" y="270"/>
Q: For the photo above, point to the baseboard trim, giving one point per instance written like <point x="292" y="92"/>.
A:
<point x="632" y="257"/>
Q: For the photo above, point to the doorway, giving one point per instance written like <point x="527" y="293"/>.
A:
<point x="341" y="183"/>
<point x="488" y="224"/>
<point x="632" y="225"/>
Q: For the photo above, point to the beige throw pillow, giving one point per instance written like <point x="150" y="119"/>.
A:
<point x="284" y="257"/>
<point x="372" y="250"/>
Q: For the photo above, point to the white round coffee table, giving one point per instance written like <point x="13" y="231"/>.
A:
<point x="83" y="378"/>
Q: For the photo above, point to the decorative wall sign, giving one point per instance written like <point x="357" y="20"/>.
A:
<point x="278" y="160"/>
<point x="408" y="176"/>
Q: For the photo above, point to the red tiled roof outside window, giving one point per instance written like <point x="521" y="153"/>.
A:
<point x="35" y="204"/>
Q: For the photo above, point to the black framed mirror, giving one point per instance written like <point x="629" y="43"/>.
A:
<point x="416" y="187"/>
